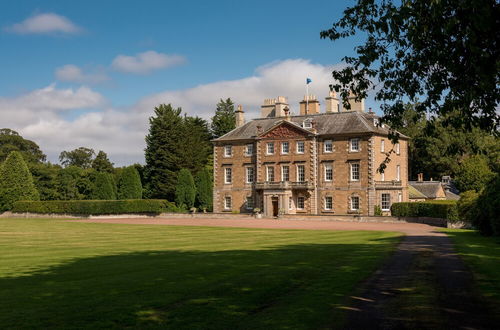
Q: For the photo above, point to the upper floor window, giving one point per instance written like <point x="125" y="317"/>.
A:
<point x="397" y="148"/>
<point x="228" y="175"/>
<point x="382" y="145"/>
<point x="354" y="144"/>
<point x="328" y="146"/>
<point x="270" y="174"/>
<point x="228" y="151"/>
<point x="300" y="202"/>
<point x="250" y="175"/>
<point x="285" y="147"/>
<point x="301" y="173"/>
<point x="300" y="147"/>
<point x="354" y="171"/>
<point x="354" y="203"/>
<point x="227" y="203"/>
<point x="270" y="148"/>
<point x="382" y="175"/>
<point x="386" y="202"/>
<point x="249" y="150"/>
<point x="328" y="203"/>
<point x="285" y="173"/>
<point x="328" y="172"/>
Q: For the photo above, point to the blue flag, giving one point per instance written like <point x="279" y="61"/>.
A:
<point x="308" y="81"/>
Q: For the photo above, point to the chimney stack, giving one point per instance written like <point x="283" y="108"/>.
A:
<point x="273" y="107"/>
<point x="332" y="102"/>
<point x="239" y="114"/>
<point x="420" y="177"/>
<point x="356" y="105"/>
<point x="309" y="106"/>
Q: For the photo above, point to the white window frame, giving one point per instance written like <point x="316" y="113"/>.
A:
<point x="382" y="145"/>
<point x="400" y="197"/>
<point x="249" y="206"/>
<point x="351" y="206"/>
<point x="250" y="170"/>
<point x="398" y="172"/>
<point x="354" y="142"/>
<point x="328" y="207"/>
<point x="307" y="123"/>
<point x="269" y="146"/>
<point x="351" y="171"/>
<point x="299" y="199"/>
<point x="328" y="146"/>
<point x="228" y="151"/>
<point x="298" y="173"/>
<point x="385" y="203"/>
<point x="283" y="152"/>
<point x="228" y="175"/>
<point x="383" y="176"/>
<point x="283" y="173"/>
<point x="303" y="144"/>
<point x="398" y="149"/>
<point x="249" y="149"/>
<point x="270" y="170"/>
<point x="228" y="206"/>
<point x="327" y="168"/>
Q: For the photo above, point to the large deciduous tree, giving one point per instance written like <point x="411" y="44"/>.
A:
<point x="11" y="141"/>
<point x="80" y="157"/>
<point x="16" y="182"/>
<point x="224" y="119"/>
<point x="101" y="163"/>
<point x="442" y="53"/>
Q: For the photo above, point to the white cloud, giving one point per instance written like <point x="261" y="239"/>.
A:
<point x="44" y="24"/>
<point x="40" y="115"/>
<point x="146" y="62"/>
<point x="73" y="73"/>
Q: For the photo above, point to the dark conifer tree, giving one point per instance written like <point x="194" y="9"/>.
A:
<point x="224" y="119"/>
<point x="204" y="189"/>
<point x="129" y="184"/>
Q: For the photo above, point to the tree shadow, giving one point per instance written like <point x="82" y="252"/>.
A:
<point x="294" y="286"/>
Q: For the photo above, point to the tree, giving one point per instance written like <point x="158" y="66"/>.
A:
<point x="204" y="189"/>
<point x="224" y="119"/>
<point x="450" y="66"/>
<point x="129" y="184"/>
<point x="11" y="141"/>
<point x="173" y="142"/>
<point x="103" y="186"/>
<point x="16" y="182"/>
<point x="473" y="174"/>
<point x="80" y="157"/>
<point x="101" y="163"/>
<point x="45" y="179"/>
<point x="185" y="190"/>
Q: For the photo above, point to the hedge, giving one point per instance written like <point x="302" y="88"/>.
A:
<point x="435" y="209"/>
<point x="96" y="207"/>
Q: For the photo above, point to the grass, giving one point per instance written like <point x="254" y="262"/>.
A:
<point x="482" y="256"/>
<point x="57" y="274"/>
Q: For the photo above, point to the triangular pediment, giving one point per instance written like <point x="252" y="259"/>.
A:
<point x="284" y="129"/>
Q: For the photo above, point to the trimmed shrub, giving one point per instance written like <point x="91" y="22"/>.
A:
<point x="487" y="219"/>
<point x="467" y="206"/>
<point x="129" y="184"/>
<point x="185" y="190"/>
<point x="96" y="207"/>
<point x="104" y="186"/>
<point x="204" y="189"/>
<point x="16" y="182"/>
<point x="433" y="209"/>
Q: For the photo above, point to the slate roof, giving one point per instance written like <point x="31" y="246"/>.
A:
<point x="349" y="122"/>
<point x="451" y="196"/>
<point x="414" y="193"/>
<point x="427" y="188"/>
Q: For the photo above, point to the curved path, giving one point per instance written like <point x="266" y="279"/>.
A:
<point x="425" y="258"/>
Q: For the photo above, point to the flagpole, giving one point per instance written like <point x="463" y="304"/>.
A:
<point x="307" y="97"/>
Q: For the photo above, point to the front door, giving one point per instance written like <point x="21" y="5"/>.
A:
<point x="275" y="206"/>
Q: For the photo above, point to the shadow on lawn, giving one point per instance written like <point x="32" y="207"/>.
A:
<point x="295" y="286"/>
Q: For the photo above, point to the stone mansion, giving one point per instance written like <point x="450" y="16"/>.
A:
<point x="311" y="163"/>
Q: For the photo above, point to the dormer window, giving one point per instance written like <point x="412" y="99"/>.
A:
<point x="307" y="123"/>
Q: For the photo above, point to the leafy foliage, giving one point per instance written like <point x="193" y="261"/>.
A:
<point x="435" y="209"/>
<point x="101" y="163"/>
<point x="224" y="119"/>
<point x="204" y="189"/>
<point x="487" y="216"/>
<point x="16" y="182"/>
<point x="447" y="66"/>
<point x="103" y="187"/>
<point x="467" y="210"/>
<point x="80" y="157"/>
<point x="11" y="141"/>
<point x="185" y="190"/>
<point x="91" y="207"/>
<point x="129" y="184"/>
<point x="473" y="174"/>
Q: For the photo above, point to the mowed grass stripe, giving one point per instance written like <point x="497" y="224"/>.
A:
<point x="83" y="275"/>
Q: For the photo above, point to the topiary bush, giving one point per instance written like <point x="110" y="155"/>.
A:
<point x="129" y="184"/>
<point x="433" y="209"/>
<point x="96" y="207"/>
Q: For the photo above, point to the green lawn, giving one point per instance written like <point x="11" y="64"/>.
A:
<point x="482" y="256"/>
<point x="56" y="274"/>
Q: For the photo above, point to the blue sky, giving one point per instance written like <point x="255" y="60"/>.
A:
<point x="89" y="73"/>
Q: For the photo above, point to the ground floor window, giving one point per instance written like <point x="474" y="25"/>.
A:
<point x="249" y="202"/>
<point x="386" y="202"/>
<point x="227" y="203"/>
<point x="300" y="202"/>
<point x="354" y="203"/>
<point x="328" y="203"/>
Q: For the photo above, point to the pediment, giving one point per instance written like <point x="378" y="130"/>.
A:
<point x="285" y="130"/>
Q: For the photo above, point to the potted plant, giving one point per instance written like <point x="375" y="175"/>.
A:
<point x="281" y="211"/>
<point x="192" y="211"/>
<point x="256" y="213"/>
